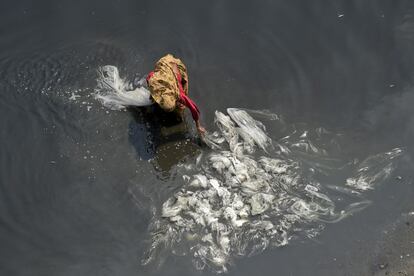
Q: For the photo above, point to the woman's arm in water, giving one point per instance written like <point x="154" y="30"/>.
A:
<point x="201" y="130"/>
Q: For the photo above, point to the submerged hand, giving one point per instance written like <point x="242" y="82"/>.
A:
<point x="201" y="130"/>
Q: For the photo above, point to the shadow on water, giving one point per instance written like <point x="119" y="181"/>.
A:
<point x="165" y="139"/>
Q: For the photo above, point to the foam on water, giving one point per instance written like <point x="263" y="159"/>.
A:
<point x="249" y="193"/>
<point x="115" y="93"/>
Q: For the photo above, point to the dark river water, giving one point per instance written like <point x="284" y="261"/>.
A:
<point x="80" y="183"/>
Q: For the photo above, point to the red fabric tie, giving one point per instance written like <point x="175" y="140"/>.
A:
<point x="185" y="100"/>
<point x="150" y="75"/>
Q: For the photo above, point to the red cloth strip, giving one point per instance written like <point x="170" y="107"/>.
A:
<point x="150" y="74"/>
<point x="185" y="100"/>
<point x="195" y="112"/>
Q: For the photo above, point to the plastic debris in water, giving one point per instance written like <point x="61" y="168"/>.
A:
<point x="113" y="92"/>
<point x="246" y="195"/>
<point x="373" y="169"/>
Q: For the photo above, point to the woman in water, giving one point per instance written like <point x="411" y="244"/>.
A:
<point x="168" y="85"/>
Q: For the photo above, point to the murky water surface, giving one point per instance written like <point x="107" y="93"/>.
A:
<point x="306" y="167"/>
